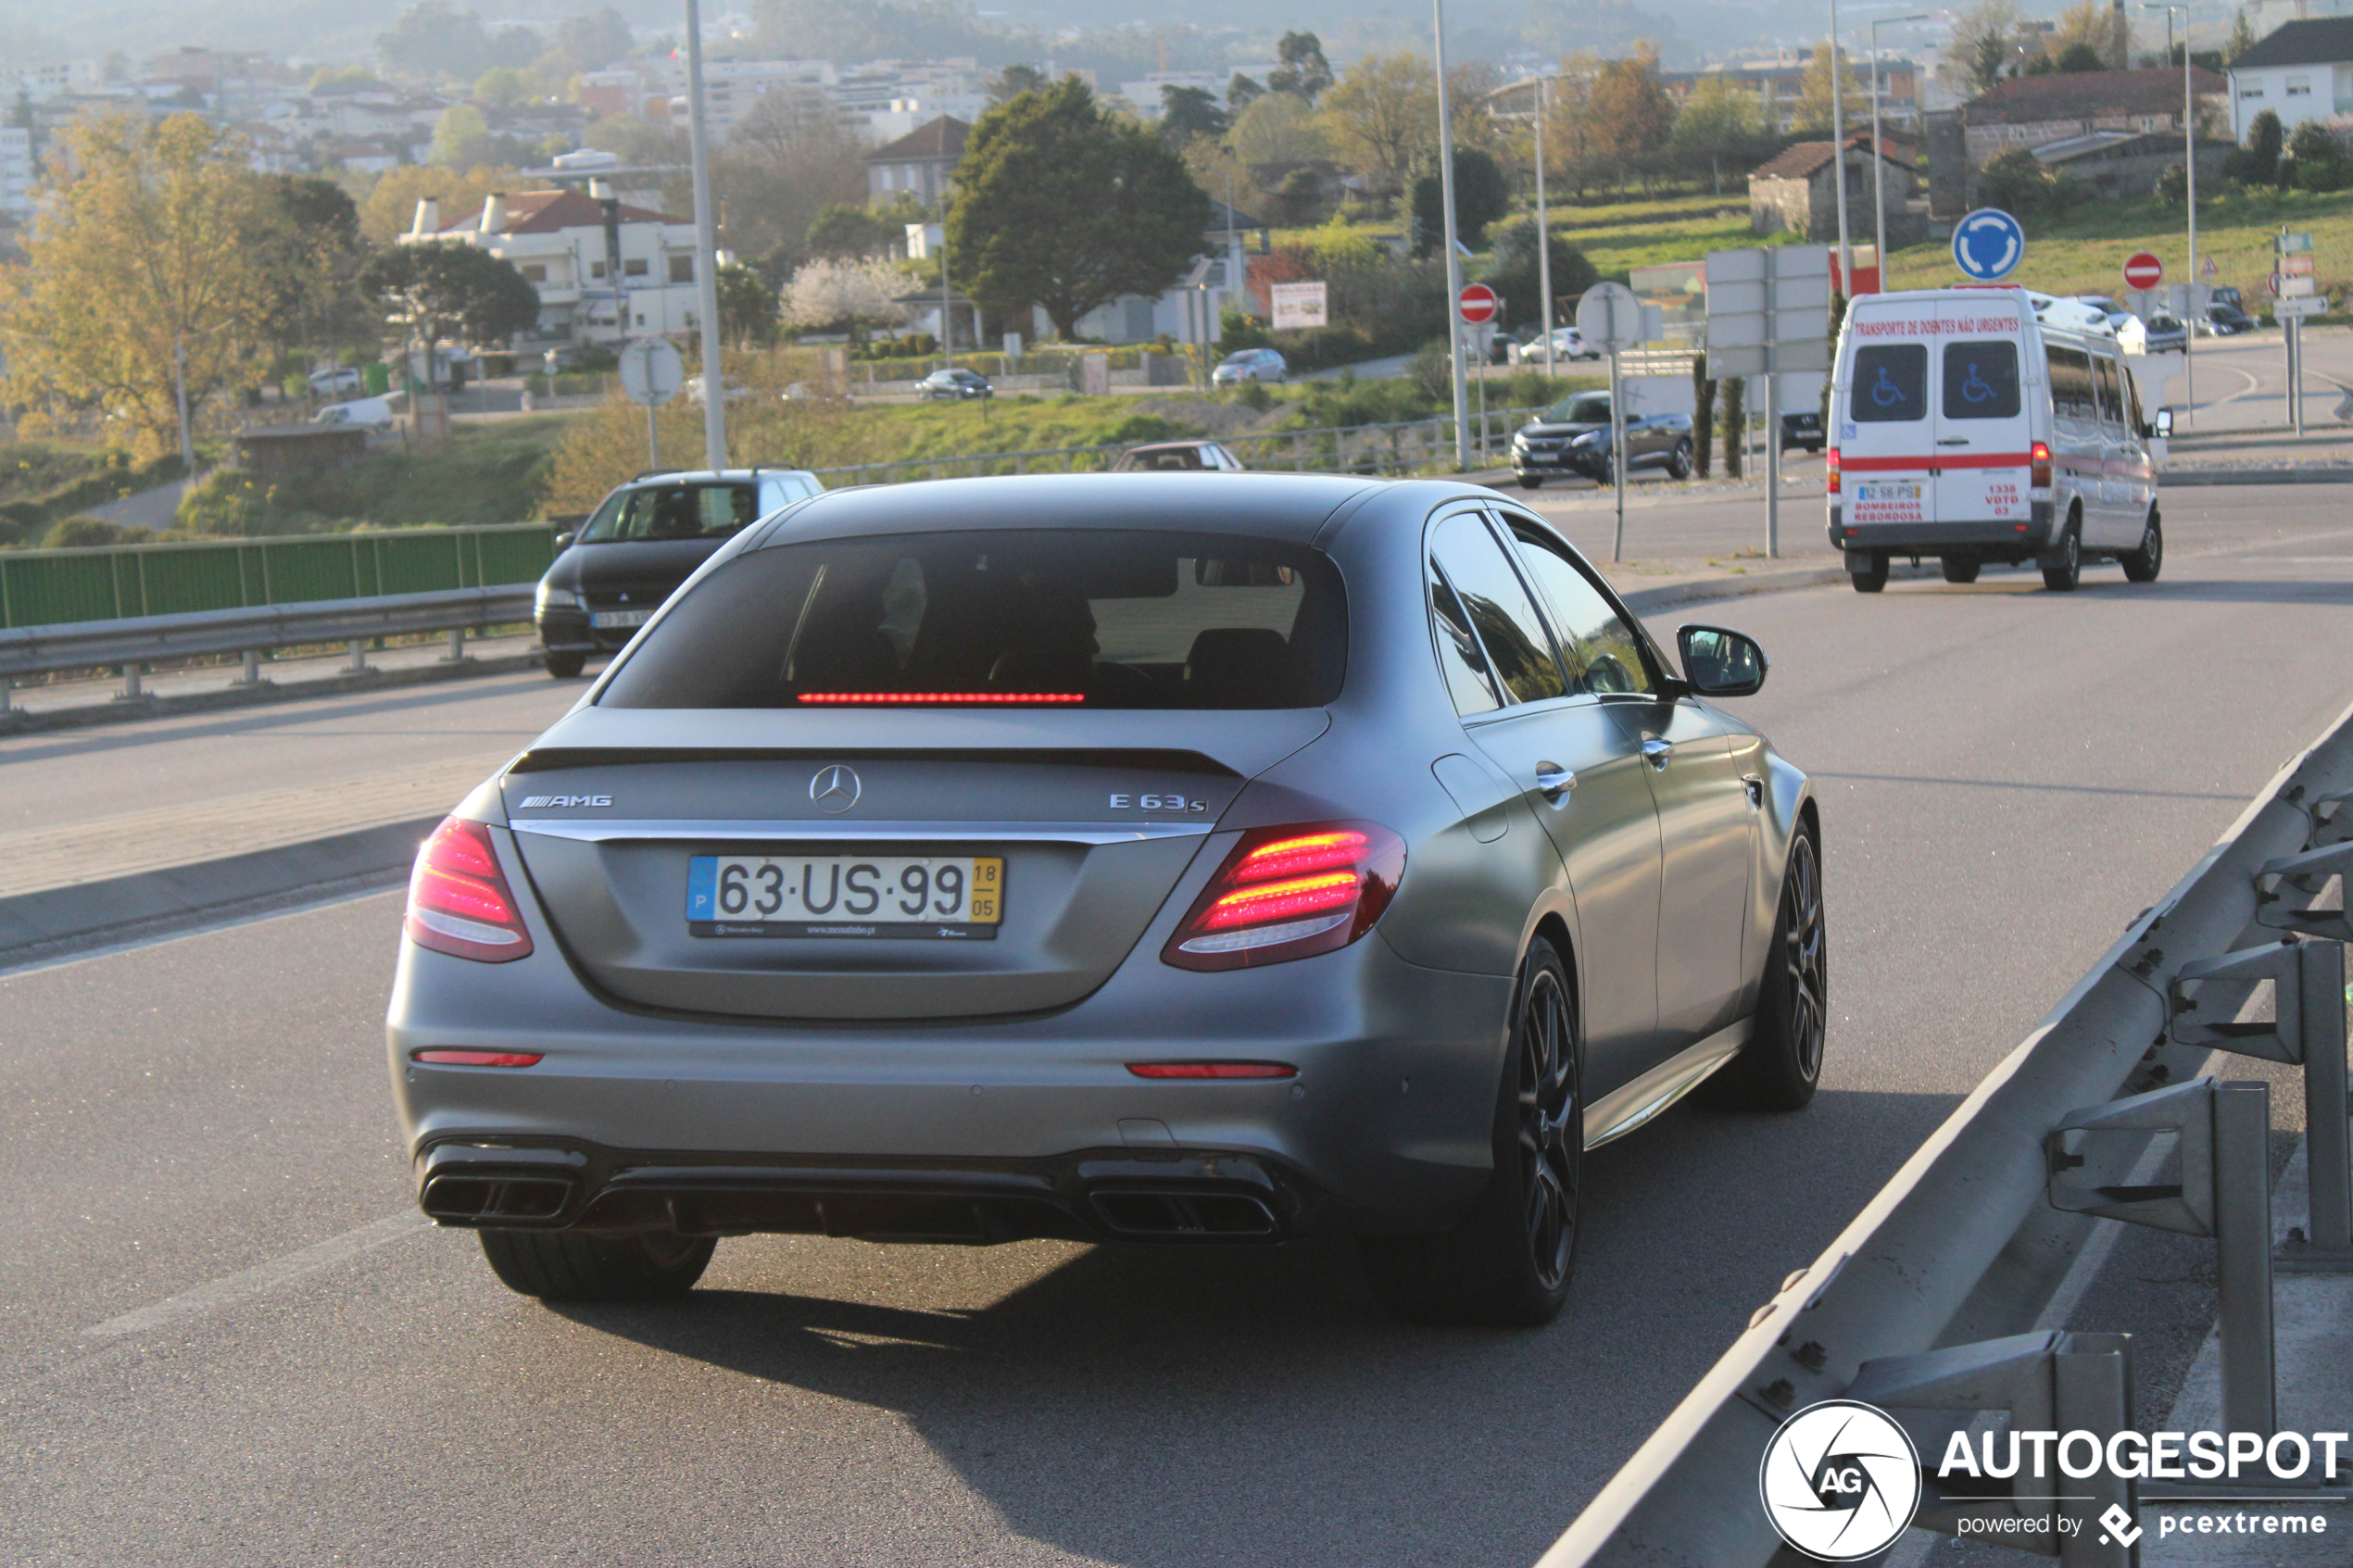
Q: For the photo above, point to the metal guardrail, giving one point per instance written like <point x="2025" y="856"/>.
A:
<point x="131" y="644"/>
<point x="1405" y="446"/>
<point x="126" y="582"/>
<point x="1965" y="1244"/>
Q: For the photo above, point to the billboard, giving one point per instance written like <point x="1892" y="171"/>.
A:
<point x="1297" y="304"/>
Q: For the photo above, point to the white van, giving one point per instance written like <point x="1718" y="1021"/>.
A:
<point x="1966" y="428"/>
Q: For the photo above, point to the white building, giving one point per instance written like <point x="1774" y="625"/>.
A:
<point x="1145" y="94"/>
<point x="2301" y="73"/>
<point x="19" y="172"/>
<point x="563" y="245"/>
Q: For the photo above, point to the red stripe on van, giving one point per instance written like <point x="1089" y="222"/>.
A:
<point x="1943" y="460"/>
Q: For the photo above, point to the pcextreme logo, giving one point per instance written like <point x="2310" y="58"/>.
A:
<point x="1841" y="1480"/>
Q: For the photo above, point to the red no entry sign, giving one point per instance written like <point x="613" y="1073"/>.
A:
<point x="1477" y="305"/>
<point x="2142" y="270"/>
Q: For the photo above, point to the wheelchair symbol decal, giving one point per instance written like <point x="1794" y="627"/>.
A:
<point x="1976" y="389"/>
<point x="1885" y="393"/>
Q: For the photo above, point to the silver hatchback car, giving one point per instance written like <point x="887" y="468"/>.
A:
<point x="1116" y="858"/>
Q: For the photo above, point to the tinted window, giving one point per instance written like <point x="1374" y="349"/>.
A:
<point x="2112" y="396"/>
<point x="1607" y="651"/>
<point x="2072" y="396"/>
<point x="1459" y="658"/>
<point x="1167" y="458"/>
<point x="1517" y="645"/>
<point x="1076" y="617"/>
<point x="1890" y="384"/>
<point x="1585" y="408"/>
<point x="1981" y="380"/>
<point x="672" y="511"/>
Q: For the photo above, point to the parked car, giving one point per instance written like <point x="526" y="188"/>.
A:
<point x="693" y="389"/>
<point x="642" y="540"/>
<point x="1249" y="365"/>
<point x="1112" y="858"/>
<point x="337" y="383"/>
<point x="1567" y="344"/>
<point x="1177" y="457"/>
<point x="2224" y="320"/>
<point x="1573" y="437"/>
<point x="953" y="385"/>
<point x="2160" y="335"/>
<point x="1501" y="347"/>
<point x="375" y="413"/>
<point x="1974" y="432"/>
<point x="1803" y="432"/>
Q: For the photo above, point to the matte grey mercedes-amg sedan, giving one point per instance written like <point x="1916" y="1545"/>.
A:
<point x="1116" y="858"/>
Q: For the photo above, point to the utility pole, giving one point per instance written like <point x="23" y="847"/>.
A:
<point x="2189" y="169"/>
<point x="1878" y="164"/>
<point x="1454" y="259"/>
<point x="180" y="393"/>
<point x="1543" y="230"/>
<point x="714" y="380"/>
<point x="1838" y="152"/>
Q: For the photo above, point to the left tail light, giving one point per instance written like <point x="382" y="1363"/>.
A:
<point x="1289" y="893"/>
<point x="458" y="902"/>
<point x="2038" y="465"/>
<point x="1830" y="469"/>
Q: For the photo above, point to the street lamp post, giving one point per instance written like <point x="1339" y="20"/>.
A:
<point x="1838" y="153"/>
<point x="2189" y="169"/>
<point x="1543" y="233"/>
<point x="1879" y="166"/>
<point x="714" y="380"/>
<point x="1454" y="259"/>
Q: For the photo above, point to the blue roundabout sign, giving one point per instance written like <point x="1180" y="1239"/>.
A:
<point x="1988" y="245"/>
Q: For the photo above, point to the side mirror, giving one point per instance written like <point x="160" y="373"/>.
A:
<point x="1717" y="662"/>
<point x="564" y="541"/>
<point x="2162" y="426"/>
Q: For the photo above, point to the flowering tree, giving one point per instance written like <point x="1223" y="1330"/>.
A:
<point x="834" y="291"/>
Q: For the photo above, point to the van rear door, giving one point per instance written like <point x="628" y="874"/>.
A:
<point x="1885" y="434"/>
<point x="1984" y="446"/>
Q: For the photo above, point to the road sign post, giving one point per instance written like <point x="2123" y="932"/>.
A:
<point x="1988" y="245"/>
<point x="1477" y="308"/>
<point x="1610" y="316"/>
<point x="2293" y="285"/>
<point x="651" y="373"/>
<point x="2143" y="271"/>
<point x="1768" y="314"/>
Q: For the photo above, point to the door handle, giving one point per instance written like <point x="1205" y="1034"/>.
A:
<point x="1952" y="441"/>
<point x="1553" y="781"/>
<point x="1755" y="785"/>
<point x="1657" y="753"/>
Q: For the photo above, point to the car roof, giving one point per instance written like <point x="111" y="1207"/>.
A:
<point x="1274" y="505"/>
<point x="1174" y="445"/>
<point x="714" y="476"/>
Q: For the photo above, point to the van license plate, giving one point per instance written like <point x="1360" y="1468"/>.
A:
<point x="1887" y="492"/>
<point x="608" y="619"/>
<point x="951" y="897"/>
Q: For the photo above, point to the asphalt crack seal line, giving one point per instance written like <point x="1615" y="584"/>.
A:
<point x="261" y="1277"/>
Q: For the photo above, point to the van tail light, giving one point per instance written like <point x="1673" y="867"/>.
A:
<point x="1288" y="892"/>
<point x="2039" y="477"/>
<point x="1830" y="469"/>
<point x="458" y="898"/>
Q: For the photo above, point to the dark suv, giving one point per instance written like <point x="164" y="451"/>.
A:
<point x="640" y="543"/>
<point x="1572" y="437"/>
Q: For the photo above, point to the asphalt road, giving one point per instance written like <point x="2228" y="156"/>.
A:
<point x="222" y="1341"/>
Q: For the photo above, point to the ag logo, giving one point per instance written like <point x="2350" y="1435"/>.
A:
<point x="1841" y="1481"/>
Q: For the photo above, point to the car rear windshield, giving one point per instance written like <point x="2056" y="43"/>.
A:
<point x="672" y="511"/>
<point x="1079" y="618"/>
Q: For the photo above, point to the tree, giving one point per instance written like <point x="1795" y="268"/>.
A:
<point x="854" y="295"/>
<point x="2258" y="163"/>
<point x="1239" y="91"/>
<point x="1481" y="197"/>
<point x="787" y="159"/>
<point x="1187" y="112"/>
<point x="1278" y="128"/>
<point x="2016" y="181"/>
<point x="2242" y="36"/>
<point x="1632" y="116"/>
<point x="2090" y="28"/>
<point x="846" y="229"/>
<point x="1384" y="114"/>
<point x="2315" y="161"/>
<point x="1980" y="50"/>
<point x="433" y="39"/>
<point x="591" y="43"/>
<point x="1813" y="111"/>
<point x="462" y="138"/>
<point x="144" y="247"/>
<point x="506" y="86"/>
<point x="1062" y="206"/>
<point x="1513" y="271"/>
<point x="310" y="253"/>
<point x="1304" y="71"/>
<point x="746" y="308"/>
<point x="1014" y="81"/>
<point x="447" y="288"/>
<point x="1720" y="117"/>
<point x="391" y="206"/>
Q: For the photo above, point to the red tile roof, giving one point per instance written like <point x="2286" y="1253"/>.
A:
<point x="544" y="212"/>
<point x="1801" y="159"/>
<point x="942" y="139"/>
<point x="2085" y="95"/>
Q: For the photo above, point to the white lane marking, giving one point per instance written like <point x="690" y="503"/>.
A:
<point x="261" y="1277"/>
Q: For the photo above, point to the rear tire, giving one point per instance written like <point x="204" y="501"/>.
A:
<point x="581" y="1266"/>
<point x="1508" y="1263"/>
<point x="1781" y="1065"/>
<point x="1873" y="579"/>
<point x="1679" y="462"/>
<point x="2065" y="569"/>
<point x="1531" y="482"/>
<point x="1958" y="570"/>
<point x="2144" y="564"/>
<point x="564" y="666"/>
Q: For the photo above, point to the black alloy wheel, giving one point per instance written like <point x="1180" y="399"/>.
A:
<point x="2142" y="565"/>
<point x="1781" y="1065"/>
<point x="1508" y="1262"/>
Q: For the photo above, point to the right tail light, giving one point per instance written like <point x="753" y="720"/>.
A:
<point x="2039" y="474"/>
<point x="1289" y="893"/>
<point x="458" y="902"/>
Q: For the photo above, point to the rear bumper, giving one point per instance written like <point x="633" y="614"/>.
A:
<point x="1981" y="538"/>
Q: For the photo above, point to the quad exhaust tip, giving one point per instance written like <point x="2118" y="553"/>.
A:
<point x="474" y="1200"/>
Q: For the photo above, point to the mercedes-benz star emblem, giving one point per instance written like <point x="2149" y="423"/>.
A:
<point x="835" y="788"/>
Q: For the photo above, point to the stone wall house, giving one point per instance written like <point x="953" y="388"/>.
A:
<point x="2115" y="164"/>
<point x="2034" y="112"/>
<point x="1798" y="190"/>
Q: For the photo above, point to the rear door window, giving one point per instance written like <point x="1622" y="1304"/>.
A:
<point x="1076" y="617"/>
<point x="1519" y="647"/>
<point x="1460" y="659"/>
<point x="1890" y="384"/>
<point x="1981" y="380"/>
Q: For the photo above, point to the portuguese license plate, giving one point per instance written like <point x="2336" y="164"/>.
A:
<point x="937" y="898"/>
<point x="610" y="619"/>
<point x="1887" y="492"/>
